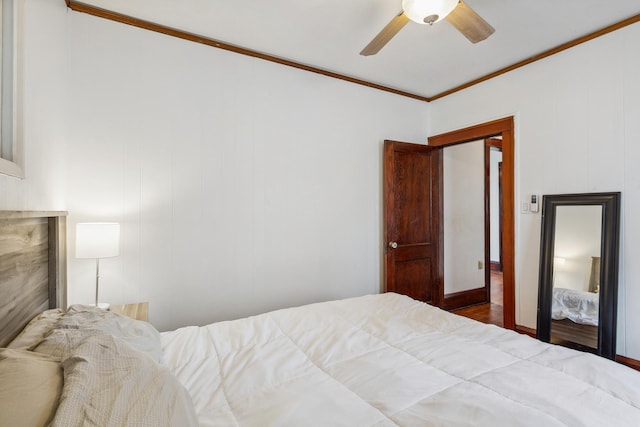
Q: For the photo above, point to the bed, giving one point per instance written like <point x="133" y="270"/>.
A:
<point x="575" y="313"/>
<point x="375" y="360"/>
<point x="574" y="318"/>
<point x="578" y="306"/>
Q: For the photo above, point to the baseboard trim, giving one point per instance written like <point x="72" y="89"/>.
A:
<point x="465" y="298"/>
<point x="627" y="361"/>
<point x="495" y="266"/>
<point x="526" y="331"/>
<point x="623" y="360"/>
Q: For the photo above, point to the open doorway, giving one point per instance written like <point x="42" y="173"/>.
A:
<point x="472" y="228"/>
<point x="503" y="130"/>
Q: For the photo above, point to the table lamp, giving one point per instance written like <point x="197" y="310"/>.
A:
<point x="98" y="240"/>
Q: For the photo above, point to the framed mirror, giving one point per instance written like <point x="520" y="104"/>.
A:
<point x="578" y="281"/>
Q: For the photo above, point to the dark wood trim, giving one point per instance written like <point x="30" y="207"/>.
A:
<point x="543" y="55"/>
<point x="495" y="266"/>
<point x="472" y="133"/>
<point x="174" y="32"/>
<point x="508" y="224"/>
<point x="500" y="205"/>
<point x="487" y="219"/>
<point x="494" y="142"/>
<point x="504" y="127"/>
<point x="632" y="363"/>
<point x="526" y="331"/>
<point x="464" y="298"/>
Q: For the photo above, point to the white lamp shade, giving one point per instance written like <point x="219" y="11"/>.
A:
<point x="435" y="10"/>
<point x="97" y="239"/>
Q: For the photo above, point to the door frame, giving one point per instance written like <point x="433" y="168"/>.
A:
<point x="504" y="127"/>
<point x="491" y="144"/>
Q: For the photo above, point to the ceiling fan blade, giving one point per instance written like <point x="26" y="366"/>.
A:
<point x="387" y="33"/>
<point x="469" y="23"/>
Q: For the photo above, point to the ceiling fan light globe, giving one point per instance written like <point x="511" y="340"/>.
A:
<point x="428" y="11"/>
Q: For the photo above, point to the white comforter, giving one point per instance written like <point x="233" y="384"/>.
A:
<point x="578" y="306"/>
<point x="385" y="360"/>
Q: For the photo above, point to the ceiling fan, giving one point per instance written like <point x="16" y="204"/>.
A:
<point x="456" y="12"/>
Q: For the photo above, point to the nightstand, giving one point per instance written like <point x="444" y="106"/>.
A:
<point x="137" y="311"/>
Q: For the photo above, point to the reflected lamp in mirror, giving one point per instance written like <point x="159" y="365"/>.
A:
<point x="96" y="240"/>
<point x="578" y="281"/>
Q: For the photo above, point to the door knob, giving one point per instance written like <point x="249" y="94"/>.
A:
<point x="393" y="245"/>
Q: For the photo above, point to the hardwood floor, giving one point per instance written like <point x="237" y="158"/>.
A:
<point x="491" y="312"/>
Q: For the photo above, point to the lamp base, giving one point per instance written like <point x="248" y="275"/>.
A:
<point x="102" y="305"/>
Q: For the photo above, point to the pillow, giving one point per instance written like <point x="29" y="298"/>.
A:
<point x="36" y="329"/>
<point x="142" y="336"/>
<point x="113" y="385"/>
<point x="30" y="387"/>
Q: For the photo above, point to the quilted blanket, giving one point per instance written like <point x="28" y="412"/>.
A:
<point x="388" y="360"/>
<point x="577" y="306"/>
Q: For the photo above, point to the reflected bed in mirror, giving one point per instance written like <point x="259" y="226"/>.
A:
<point x="577" y="294"/>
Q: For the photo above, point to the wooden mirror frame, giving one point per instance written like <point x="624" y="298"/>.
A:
<point x="609" y="244"/>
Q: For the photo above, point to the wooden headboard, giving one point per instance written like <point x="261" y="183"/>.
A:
<point x="33" y="267"/>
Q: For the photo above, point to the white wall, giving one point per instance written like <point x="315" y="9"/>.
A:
<point x="241" y="185"/>
<point x="41" y="122"/>
<point x="463" y="212"/>
<point x="577" y="130"/>
<point x="495" y="157"/>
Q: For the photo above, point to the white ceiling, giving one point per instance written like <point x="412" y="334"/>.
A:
<point x="424" y="60"/>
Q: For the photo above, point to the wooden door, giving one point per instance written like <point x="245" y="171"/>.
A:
<point x="412" y="174"/>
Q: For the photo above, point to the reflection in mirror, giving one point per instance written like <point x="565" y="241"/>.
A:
<point x="576" y="270"/>
<point x="577" y="296"/>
